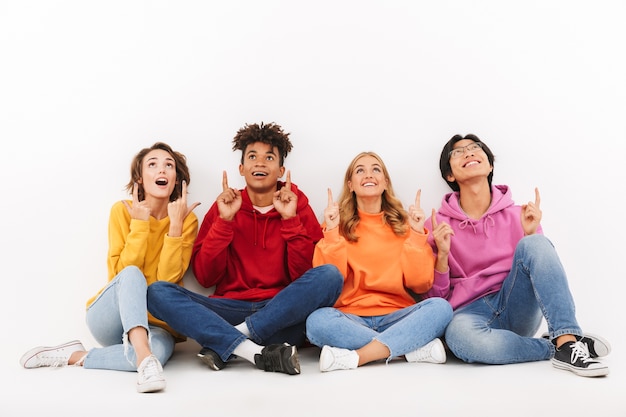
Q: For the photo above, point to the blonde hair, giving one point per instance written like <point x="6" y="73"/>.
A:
<point x="394" y="213"/>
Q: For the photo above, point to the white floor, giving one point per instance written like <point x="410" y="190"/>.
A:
<point x="399" y="389"/>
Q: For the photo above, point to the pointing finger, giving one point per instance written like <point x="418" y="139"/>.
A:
<point x="288" y="181"/>
<point x="537" y="197"/>
<point x="135" y="193"/>
<point x="184" y="191"/>
<point x="433" y="219"/>
<point x="224" y="181"/>
<point x="330" y="198"/>
<point x="418" y="197"/>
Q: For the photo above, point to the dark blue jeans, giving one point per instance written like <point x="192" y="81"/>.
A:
<point x="210" y="321"/>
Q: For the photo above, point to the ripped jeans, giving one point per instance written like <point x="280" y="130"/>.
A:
<point x="120" y="307"/>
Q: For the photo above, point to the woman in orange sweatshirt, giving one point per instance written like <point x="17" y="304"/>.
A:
<point x="383" y="254"/>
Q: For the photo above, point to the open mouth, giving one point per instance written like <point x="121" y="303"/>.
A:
<point x="259" y="174"/>
<point x="161" y="181"/>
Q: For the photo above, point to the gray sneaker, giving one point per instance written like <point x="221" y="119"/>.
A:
<point x="54" y="356"/>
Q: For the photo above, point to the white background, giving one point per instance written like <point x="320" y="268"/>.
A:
<point x="84" y="85"/>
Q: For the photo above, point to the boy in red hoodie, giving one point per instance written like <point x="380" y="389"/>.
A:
<point x="255" y="246"/>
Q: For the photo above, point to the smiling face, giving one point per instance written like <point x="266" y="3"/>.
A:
<point x="158" y="174"/>
<point x="261" y="167"/>
<point x="468" y="161"/>
<point x="368" y="178"/>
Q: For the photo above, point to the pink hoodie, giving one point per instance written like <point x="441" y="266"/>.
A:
<point x="481" y="251"/>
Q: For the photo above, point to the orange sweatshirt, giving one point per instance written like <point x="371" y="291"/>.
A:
<point x="379" y="267"/>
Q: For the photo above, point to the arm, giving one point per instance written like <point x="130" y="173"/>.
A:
<point x="417" y="262"/>
<point x="210" y="250"/>
<point x="128" y="240"/>
<point x="176" y="252"/>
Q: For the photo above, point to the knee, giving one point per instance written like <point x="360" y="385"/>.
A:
<point x="133" y="273"/>
<point x="331" y="276"/>
<point x="536" y="243"/>
<point x="441" y="307"/>
<point x="161" y="343"/>
<point x="157" y="289"/>
<point x="317" y="317"/>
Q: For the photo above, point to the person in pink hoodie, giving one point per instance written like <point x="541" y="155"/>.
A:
<point x="500" y="273"/>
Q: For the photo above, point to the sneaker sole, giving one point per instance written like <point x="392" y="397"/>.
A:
<point x="595" y="372"/>
<point x="40" y="349"/>
<point x="211" y="362"/>
<point x="294" y="362"/>
<point x="152" y="386"/>
<point x="601" y="346"/>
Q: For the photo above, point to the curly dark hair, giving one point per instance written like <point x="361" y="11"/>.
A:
<point x="182" y="171"/>
<point x="271" y="134"/>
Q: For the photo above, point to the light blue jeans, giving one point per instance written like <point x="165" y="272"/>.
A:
<point x="402" y="331"/>
<point x="118" y="309"/>
<point x="499" y="328"/>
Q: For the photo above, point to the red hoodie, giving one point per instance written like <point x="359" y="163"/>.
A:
<point x="255" y="255"/>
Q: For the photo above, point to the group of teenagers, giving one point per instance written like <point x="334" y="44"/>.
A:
<point x="372" y="283"/>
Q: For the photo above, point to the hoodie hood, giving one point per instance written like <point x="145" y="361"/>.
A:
<point x="501" y="199"/>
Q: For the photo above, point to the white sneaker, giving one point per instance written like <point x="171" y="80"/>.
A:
<point x="150" y="375"/>
<point x="54" y="356"/>
<point x="332" y="359"/>
<point x="432" y="352"/>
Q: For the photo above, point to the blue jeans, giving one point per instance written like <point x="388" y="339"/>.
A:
<point x="210" y="321"/>
<point x="500" y="327"/>
<point x="118" y="309"/>
<point x="401" y="331"/>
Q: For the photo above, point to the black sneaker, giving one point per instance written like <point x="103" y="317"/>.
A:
<point x="574" y="357"/>
<point x="278" y="358"/>
<point x="597" y="345"/>
<point x="212" y="359"/>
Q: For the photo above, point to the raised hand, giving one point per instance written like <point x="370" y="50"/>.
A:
<point x="140" y="209"/>
<point x="229" y="200"/>
<point x="531" y="215"/>
<point x="177" y="210"/>
<point x="331" y="212"/>
<point x="442" y="234"/>
<point x="285" y="200"/>
<point x="416" y="214"/>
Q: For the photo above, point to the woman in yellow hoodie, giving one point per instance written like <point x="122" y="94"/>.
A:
<point x="150" y="239"/>
<point x="383" y="254"/>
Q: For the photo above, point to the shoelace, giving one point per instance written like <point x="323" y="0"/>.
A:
<point x="151" y="370"/>
<point x="580" y="351"/>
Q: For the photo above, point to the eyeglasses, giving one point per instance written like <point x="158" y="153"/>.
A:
<point x="458" y="152"/>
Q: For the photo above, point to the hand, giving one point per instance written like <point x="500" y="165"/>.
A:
<point x="285" y="200"/>
<point x="531" y="215"/>
<point x="177" y="210"/>
<point x="331" y="212"/>
<point x="140" y="209"/>
<point x="416" y="214"/>
<point x="442" y="234"/>
<point x="229" y="201"/>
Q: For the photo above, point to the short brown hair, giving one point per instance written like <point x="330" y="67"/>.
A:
<point x="182" y="171"/>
